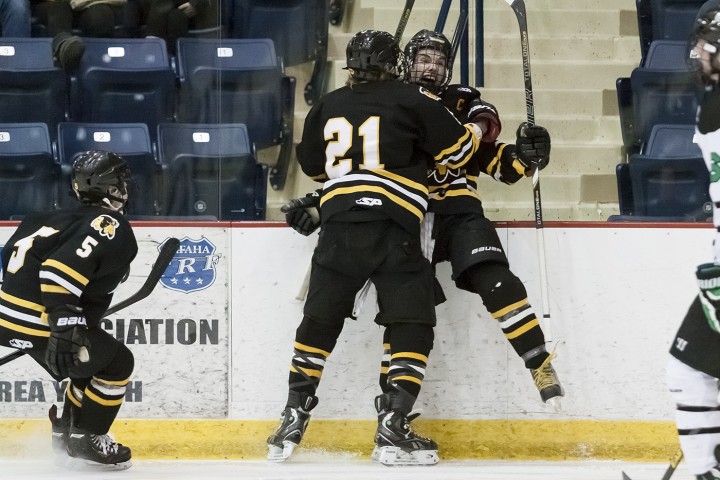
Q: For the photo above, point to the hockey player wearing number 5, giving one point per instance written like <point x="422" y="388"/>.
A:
<point x="459" y="230"/>
<point x="693" y="371"/>
<point x="370" y="144"/>
<point x="59" y="271"/>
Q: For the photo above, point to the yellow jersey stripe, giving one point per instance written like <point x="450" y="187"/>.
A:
<point x="22" y="303"/>
<point x="369" y="188"/>
<point x="26" y="330"/>
<point x="67" y="270"/>
<point x="305" y="348"/>
<point x="416" y="356"/>
<point x="400" y="179"/>
<point x="54" y="289"/>
<point x="509" y="308"/>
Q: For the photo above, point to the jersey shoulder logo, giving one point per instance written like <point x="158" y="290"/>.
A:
<point x="105" y="225"/>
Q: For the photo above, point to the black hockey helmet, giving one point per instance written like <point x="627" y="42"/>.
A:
<point x="707" y="28"/>
<point x="101" y="178"/>
<point x="427" y="39"/>
<point x="371" y="53"/>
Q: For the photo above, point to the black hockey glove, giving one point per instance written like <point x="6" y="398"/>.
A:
<point x="532" y="146"/>
<point x="67" y="338"/>
<point x="708" y="275"/>
<point x="303" y="214"/>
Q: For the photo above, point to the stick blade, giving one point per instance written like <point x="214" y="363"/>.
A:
<point x="625" y="477"/>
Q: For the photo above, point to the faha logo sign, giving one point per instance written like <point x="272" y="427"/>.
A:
<point x="193" y="266"/>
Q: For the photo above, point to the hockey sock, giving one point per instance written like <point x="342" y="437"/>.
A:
<point x="410" y="346"/>
<point x="314" y="341"/>
<point x="505" y="297"/>
<point x="385" y="362"/>
<point x="105" y="392"/>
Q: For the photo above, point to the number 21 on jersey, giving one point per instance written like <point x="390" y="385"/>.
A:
<point x="339" y="133"/>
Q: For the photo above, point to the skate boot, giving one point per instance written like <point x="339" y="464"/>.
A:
<point x="547" y="382"/>
<point x="712" y="474"/>
<point x="293" y="422"/>
<point x="396" y="444"/>
<point x="60" y="433"/>
<point x="88" y="451"/>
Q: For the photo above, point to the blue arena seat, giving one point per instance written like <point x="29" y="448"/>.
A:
<point x="239" y="81"/>
<point x="212" y="170"/>
<point x="674" y="19"/>
<point x="298" y="28"/>
<point x="670" y="179"/>
<point x="129" y="140"/>
<point x="32" y="89"/>
<point x="124" y="81"/>
<point x="28" y="170"/>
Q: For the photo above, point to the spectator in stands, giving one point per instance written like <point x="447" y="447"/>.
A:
<point x="14" y="18"/>
<point x="172" y="19"/>
<point x="93" y="18"/>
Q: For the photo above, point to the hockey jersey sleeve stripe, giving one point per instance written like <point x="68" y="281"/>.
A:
<point x="66" y="270"/>
<point x="61" y="281"/>
<point x="377" y="189"/>
<point x="25" y="317"/>
<point x="53" y="289"/>
<point x="27" y="331"/>
<point x="22" y="303"/>
<point x="458" y="155"/>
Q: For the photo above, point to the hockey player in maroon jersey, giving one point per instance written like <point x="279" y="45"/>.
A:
<point x="459" y="230"/>
<point x="370" y="143"/>
<point x="693" y="370"/>
<point x="59" y="271"/>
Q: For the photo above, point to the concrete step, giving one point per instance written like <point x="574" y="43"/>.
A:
<point x="498" y="20"/>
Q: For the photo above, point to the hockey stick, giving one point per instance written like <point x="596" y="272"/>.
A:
<point x="404" y="20"/>
<point x="674" y="462"/>
<point x="518" y="7"/>
<point x="167" y="252"/>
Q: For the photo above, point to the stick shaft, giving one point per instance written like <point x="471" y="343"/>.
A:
<point x="404" y="20"/>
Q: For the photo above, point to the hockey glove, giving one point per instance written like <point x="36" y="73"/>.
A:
<point x="303" y="214"/>
<point x="67" y="338"/>
<point x="708" y="275"/>
<point x="532" y="146"/>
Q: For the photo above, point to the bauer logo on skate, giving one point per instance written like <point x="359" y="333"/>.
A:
<point x="193" y="267"/>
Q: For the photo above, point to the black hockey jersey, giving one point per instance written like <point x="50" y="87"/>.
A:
<point x="372" y="144"/>
<point x="76" y="257"/>
<point x="455" y="191"/>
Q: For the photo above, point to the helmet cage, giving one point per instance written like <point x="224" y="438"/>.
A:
<point x="429" y="40"/>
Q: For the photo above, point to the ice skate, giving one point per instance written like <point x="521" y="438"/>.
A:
<point x="712" y="474"/>
<point x="293" y="422"/>
<point x="396" y="444"/>
<point x="60" y="432"/>
<point x="547" y="383"/>
<point x="88" y="451"/>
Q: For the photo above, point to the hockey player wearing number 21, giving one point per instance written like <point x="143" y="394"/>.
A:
<point x="693" y="370"/>
<point x="60" y="269"/>
<point x="370" y="143"/>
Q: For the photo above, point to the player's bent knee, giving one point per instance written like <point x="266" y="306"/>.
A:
<point x="121" y="366"/>
<point x="689" y="386"/>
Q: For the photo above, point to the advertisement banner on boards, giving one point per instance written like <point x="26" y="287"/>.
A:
<point x="178" y="335"/>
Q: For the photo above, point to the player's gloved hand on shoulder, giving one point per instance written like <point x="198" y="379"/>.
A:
<point x="708" y="276"/>
<point x="67" y="339"/>
<point x="303" y="214"/>
<point x="532" y="146"/>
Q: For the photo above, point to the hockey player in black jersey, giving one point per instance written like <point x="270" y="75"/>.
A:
<point x="59" y="271"/>
<point x="370" y="143"/>
<point x="457" y="225"/>
<point x="693" y="370"/>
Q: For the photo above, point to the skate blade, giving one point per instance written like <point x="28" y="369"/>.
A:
<point x="81" y="464"/>
<point x="555" y="404"/>
<point x="375" y="455"/>
<point x="277" y="454"/>
<point x="396" y="457"/>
